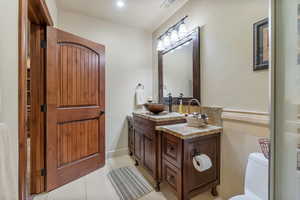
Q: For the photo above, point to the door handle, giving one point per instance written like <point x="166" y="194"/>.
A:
<point x="102" y="112"/>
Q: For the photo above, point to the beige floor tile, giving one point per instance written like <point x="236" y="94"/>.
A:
<point x="43" y="196"/>
<point x="154" y="196"/>
<point x="206" y="196"/>
<point x="75" y="190"/>
<point x="96" y="186"/>
<point x="99" y="187"/>
<point x="121" y="161"/>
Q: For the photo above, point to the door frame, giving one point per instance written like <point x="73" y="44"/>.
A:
<point x="38" y="13"/>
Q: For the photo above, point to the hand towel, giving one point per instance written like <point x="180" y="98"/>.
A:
<point x="140" y="98"/>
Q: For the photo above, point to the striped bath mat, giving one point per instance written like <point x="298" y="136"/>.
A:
<point x="129" y="183"/>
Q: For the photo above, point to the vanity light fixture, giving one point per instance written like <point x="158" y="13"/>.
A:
<point x="173" y="35"/>
<point x="120" y="3"/>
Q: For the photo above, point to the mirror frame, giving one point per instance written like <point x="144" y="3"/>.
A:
<point x="193" y="36"/>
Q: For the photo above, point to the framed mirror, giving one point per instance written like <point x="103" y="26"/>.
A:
<point x="179" y="69"/>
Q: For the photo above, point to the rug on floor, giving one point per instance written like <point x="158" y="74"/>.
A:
<point x="129" y="183"/>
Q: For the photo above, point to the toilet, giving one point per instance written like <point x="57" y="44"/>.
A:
<point x="256" y="180"/>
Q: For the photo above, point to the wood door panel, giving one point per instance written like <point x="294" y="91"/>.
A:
<point x="78" y="76"/>
<point x="77" y="140"/>
<point x="149" y="153"/>
<point x="77" y="113"/>
<point x="37" y="118"/>
<point x="75" y="107"/>
<point x="138" y="144"/>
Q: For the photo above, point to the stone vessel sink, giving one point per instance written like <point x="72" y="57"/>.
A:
<point x="155" y="107"/>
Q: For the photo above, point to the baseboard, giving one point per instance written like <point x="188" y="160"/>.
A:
<point x="117" y="152"/>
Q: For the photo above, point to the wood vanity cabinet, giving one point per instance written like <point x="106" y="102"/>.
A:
<point x="130" y="135"/>
<point x="177" y="164"/>
<point x="147" y="145"/>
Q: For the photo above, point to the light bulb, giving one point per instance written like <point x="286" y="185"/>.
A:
<point x="174" y="36"/>
<point x="120" y="3"/>
<point x="160" y="45"/>
<point x="166" y="41"/>
<point x="182" y="30"/>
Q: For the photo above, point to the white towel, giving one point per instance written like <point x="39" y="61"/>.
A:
<point x="8" y="165"/>
<point x="140" y="98"/>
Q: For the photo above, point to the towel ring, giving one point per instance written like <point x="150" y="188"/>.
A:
<point x="140" y="85"/>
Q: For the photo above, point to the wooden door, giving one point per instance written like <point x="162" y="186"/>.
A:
<point x="75" y="96"/>
<point x="36" y="119"/>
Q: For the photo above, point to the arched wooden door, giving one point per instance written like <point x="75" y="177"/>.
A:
<point x="75" y="107"/>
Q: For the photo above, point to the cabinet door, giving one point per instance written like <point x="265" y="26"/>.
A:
<point x="208" y="146"/>
<point x="130" y="139"/>
<point x="149" y="152"/>
<point x="138" y="144"/>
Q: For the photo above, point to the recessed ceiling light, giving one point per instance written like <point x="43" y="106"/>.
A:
<point x="120" y="3"/>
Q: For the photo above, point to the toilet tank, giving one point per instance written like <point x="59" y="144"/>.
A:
<point x="256" y="180"/>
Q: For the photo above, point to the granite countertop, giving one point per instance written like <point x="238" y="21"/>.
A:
<point x="164" y="116"/>
<point x="185" y="132"/>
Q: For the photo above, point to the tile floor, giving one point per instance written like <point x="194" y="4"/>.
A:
<point x="96" y="186"/>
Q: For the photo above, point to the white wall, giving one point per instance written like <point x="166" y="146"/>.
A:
<point x="52" y="6"/>
<point x="128" y="62"/>
<point x="9" y="86"/>
<point x="227" y="77"/>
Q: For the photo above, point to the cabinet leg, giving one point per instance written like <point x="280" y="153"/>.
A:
<point x="214" y="192"/>
<point x="157" y="186"/>
<point x="136" y="163"/>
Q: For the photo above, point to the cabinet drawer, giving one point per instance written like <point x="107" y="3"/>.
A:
<point x="142" y="124"/>
<point x="172" y="149"/>
<point x="171" y="176"/>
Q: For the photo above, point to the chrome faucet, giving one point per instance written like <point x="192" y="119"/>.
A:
<point x="202" y="116"/>
<point x="197" y="101"/>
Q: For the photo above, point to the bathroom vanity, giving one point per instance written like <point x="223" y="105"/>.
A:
<point x="180" y="144"/>
<point x="147" y="142"/>
<point x="165" y="146"/>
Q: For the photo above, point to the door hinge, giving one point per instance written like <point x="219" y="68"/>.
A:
<point x="43" y="172"/>
<point x="43" y="44"/>
<point x="43" y="108"/>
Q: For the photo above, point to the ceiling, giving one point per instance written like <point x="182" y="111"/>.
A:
<point x="145" y="14"/>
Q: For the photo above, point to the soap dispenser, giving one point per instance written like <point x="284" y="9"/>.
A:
<point x="180" y="107"/>
<point x="170" y="102"/>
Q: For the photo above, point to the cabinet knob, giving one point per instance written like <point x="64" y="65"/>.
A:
<point x="102" y="112"/>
